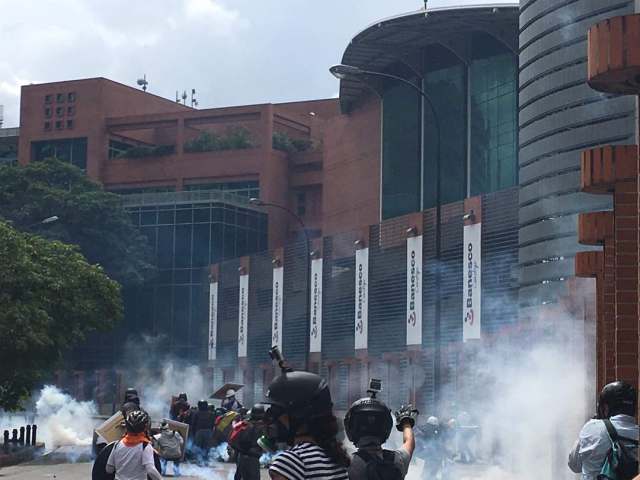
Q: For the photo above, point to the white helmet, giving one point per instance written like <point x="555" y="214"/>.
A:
<point x="230" y="393"/>
<point x="433" y="421"/>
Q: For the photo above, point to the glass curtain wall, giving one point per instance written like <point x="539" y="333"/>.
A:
<point x="485" y="89"/>
<point x="72" y="150"/>
<point x="445" y="83"/>
<point x="401" y="123"/>
<point x="494" y="110"/>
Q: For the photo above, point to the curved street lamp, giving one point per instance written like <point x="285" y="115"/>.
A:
<point x="342" y="72"/>
<point x="259" y="203"/>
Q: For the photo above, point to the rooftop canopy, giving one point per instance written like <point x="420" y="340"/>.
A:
<point x="400" y="40"/>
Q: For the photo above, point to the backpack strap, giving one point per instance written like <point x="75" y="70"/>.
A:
<point x="365" y="456"/>
<point x="613" y="433"/>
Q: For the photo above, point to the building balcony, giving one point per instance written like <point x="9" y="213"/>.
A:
<point x="603" y="167"/>
<point x="614" y="55"/>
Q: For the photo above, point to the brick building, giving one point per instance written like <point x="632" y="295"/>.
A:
<point x="614" y="67"/>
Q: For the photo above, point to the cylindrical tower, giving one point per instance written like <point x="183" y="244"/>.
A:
<point x="559" y="117"/>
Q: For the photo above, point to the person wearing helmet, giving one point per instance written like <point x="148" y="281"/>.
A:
<point x="617" y="405"/>
<point x="368" y="424"/>
<point x="244" y="440"/>
<point x="132" y="458"/>
<point x="178" y="406"/>
<point x="230" y="403"/>
<point x="301" y="415"/>
<point x="131" y="402"/>
<point x="433" y="449"/>
<point x="202" y="422"/>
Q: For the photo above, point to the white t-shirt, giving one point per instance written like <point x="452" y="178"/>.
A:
<point x="129" y="462"/>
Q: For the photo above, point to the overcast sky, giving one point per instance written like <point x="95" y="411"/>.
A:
<point x="231" y="51"/>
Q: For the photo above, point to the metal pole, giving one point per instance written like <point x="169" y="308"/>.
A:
<point x="307" y="272"/>
<point x="437" y="326"/>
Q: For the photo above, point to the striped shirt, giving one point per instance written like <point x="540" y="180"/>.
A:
<point x="307" y="460"/>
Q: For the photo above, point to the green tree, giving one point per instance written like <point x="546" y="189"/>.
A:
<point x="50" y="298"/>
<point x="90" y="218"/>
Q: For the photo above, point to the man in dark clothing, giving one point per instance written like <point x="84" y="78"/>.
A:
<point x="202" y="423"/>
<point x="244" y="439"/>
<point x="131" y="402"/>
<point x="181" y="404"/>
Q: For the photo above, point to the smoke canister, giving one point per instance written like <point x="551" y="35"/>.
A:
<point x="266" y="444"/>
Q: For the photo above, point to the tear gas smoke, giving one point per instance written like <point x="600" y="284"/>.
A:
<point x="62" y="420"/>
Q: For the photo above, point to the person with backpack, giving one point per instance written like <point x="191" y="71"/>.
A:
<point x="244" y="440"/>
<point x="169" y="443"/>
<point x="368" y="424"/>
<point x="300" y="414"/>
<point x="607" y="447"/>
<point x="132" y="458"/>
<point x="203" y="422"/>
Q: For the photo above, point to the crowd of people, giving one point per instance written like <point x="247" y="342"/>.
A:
<point x="298" y="419"/>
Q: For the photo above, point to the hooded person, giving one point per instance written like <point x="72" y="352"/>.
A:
<point x="132" y="458"/>
<point x="202" y="422"/>
<point x="131" y="402"/>
<point x="230" y="403"/>
<point x="169" y="444"/>
<point x="178" y="406"/>
<point x="368" y="424"/>
<point x="615" y="422"/>
<point x="244" y="440"/>
<point x="301" y="415"/>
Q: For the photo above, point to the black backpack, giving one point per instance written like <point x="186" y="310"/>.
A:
<point x="384" y="468"/>
<point x="621" y="462"/>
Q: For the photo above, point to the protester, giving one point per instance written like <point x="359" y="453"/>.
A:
<point x="244" y="440"/>
<point x="616" y="410"/>
<point x="230" y="403"/>
<point x="180" y="405"/>
<point x="433" y="448"/>
<point x="169" y="444"/>
<point x="202" y="423"/>
<point x="368" y="424"/>
<point x="301" y="415"/>
<point x="132" y="457"/>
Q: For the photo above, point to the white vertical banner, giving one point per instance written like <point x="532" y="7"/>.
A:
<point x="243" y="315"/>
<point x="276" y="310"/>
<point x="472" y="282"/>
<point x="213" y="320"/>
<point x="414" y="290"/>
<point x="362" y="299"/>
<point x="315" y="333"/>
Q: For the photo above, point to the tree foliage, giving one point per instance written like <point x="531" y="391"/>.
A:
<point x="90" y="218"/>
<point x="50" y="298"/>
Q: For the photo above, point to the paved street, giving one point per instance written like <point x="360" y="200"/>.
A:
<point x="221" y="471"/>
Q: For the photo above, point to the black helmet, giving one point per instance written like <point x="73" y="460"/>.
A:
<point x="137" y="421"/>
<point x="368" y="417"/>
<point x="300" y="394"/>
<point x="257" y="413"/>
<point x="182" y="396"/>
<point x="620" y="397"/>
<point x="203" y="405"/>
<point x="130" y="392"/>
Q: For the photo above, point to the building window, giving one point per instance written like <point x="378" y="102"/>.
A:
<point x="494" y="139"/>
<point x="446" y="83"/>
<point x="71" y="111"/>
<point x="47" y="126"/>
<point x="71" y="97"/>
<point x="47" y="112"/>
<point x="69" y="123"/>
<point x="302" y="203"/>
<point x="59" y="125"/>
<point x="72" y="150"/>
<point x="59" y="111"/>
<point x="60" y="98"/>
<point x="401" y="125"/>
<point x="48" y="98"/>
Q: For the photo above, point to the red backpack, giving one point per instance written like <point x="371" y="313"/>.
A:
<point x="235" y="437"/>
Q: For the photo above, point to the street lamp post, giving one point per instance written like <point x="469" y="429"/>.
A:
<point x="342" y="72"/>
<point x="259" y="203"/>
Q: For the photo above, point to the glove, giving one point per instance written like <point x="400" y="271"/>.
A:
<point x="406" y="414"/>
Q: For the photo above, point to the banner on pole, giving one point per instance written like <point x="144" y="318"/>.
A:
<point x="472" y="282"/>
<point x="315" y="333"/>
<point x="243" y="315"/>
<point x="362" y="299"/>
<point x="213" y="320"/>
<point x="414" y="290"/>
<point x="276" y="311"/>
